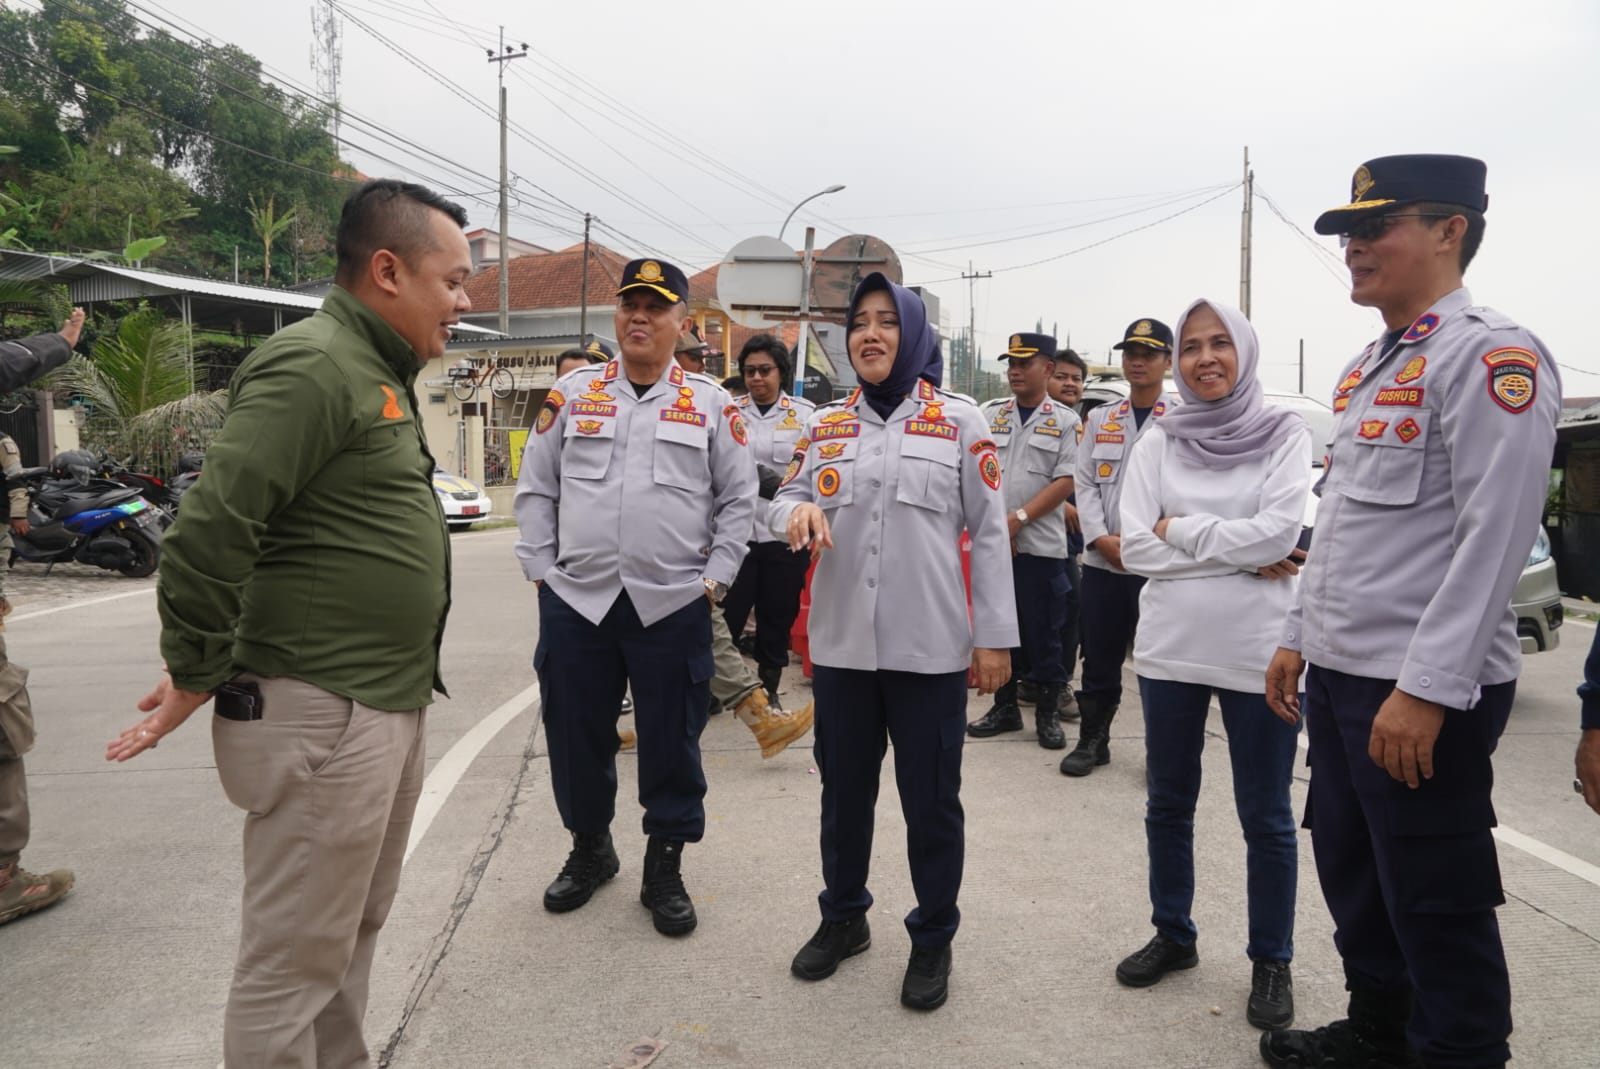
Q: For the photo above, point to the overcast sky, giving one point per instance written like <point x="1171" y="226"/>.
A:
<point x="962" y="130"/>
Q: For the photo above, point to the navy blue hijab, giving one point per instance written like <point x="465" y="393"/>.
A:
<point x="918" y="356"/>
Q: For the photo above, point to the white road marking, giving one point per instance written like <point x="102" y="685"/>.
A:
<point x="21" y="616"/>
<point x="1562" y="860"/>
<point x="454" y="764"/>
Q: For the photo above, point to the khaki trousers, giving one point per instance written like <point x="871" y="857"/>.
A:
<point x="732" y="681"/>
<point x="328" y="786"/>
<point x="16" y="739"/>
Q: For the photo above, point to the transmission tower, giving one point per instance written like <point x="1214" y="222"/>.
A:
<point x="326" y="34"/>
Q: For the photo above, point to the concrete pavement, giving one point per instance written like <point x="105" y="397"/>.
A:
<point x="132" y="969"/>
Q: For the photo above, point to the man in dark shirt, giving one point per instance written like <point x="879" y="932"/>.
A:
<point x="306" y="587"/>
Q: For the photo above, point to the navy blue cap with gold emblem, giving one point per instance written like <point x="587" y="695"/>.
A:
<point x="666" y="279"/>
<point x="598" y="352"/>
<point x="1149" y="332"/>
<point x="1388" y="182"/>
<point x="1023" y="346"/>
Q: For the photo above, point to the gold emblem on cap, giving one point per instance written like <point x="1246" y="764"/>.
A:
<point x="1361" y="182"/>
<point x="650" y="271"/>
<point x="1142" y="328"/>
<point x="1016" y="341"/>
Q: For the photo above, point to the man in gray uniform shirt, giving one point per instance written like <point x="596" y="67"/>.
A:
<point x="1434" y="489"/>
<point x="635" y="502"/>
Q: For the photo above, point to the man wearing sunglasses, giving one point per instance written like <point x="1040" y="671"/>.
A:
<point x="772" y="575"/>
<point x="1434" y="487"/>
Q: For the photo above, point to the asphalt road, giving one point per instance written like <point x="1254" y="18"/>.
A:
<point x="132" y="969"/>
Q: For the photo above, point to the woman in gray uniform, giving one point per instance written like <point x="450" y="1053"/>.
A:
<point x="885" y="481"/>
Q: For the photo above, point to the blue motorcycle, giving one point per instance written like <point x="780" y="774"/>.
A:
<point x="91" y="520"/>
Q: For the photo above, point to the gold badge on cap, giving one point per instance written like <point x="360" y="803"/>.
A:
<point x="1361" y="182"/>
<point x="1016" y="341"/>
<point x="1142" y="328"/>
<point x="650" y="271"/>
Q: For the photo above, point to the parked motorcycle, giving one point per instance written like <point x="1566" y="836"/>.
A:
<point x="79" y="517"/>
<point x="152" y="488"/>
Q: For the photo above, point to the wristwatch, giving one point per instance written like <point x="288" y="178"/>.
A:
<point x="1022" y="516"/>
<point x="717" y="590"/>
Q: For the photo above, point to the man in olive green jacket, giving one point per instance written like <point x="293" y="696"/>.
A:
<point x="306" y="588"/>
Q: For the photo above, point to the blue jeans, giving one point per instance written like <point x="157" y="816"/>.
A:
<point x="1262" y="750"/>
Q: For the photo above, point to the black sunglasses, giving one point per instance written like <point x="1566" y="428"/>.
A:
<point x="1374" y="228"/>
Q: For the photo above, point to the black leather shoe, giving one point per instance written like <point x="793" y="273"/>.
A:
<point x="834" y="941"/>
<point x="927" y="982"/>
<point x="1271" y="1002"/>
<point x="663" y="893"/>
<point x="1002" y="716"/>
<point x="1155" y="959"/>
<point x="1340" y="1045"/>
<point x="592" y="861"/>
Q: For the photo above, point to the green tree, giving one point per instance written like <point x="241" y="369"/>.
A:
<point x="140" y="393"/>
<point x="268" y="226"/>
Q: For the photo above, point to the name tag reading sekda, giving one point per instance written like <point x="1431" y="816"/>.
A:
<point x="678" y="415"/>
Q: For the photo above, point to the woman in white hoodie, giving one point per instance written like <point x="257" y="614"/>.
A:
<point x="1211" y="509"/>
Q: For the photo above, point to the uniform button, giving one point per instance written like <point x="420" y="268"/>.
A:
<point x="874" y="515"/>
<point x="876" y="484"/>
<point x="872" y="583"/>
<point x="873" y="551"/>
<point x="1425" y="681"/>
<point x="1292" y="636"/>
<point x="875" y="451"/>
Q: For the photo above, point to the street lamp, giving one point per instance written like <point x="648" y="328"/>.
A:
<point x="802" y="204"/>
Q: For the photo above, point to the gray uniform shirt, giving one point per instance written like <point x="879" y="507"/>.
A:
<point x="898" y="494"/>
<point x="1108" y="436"/>
<point x="1032" y="456"/>
<point x="1433" y="494"/>
<point x="645" y="494"/>
<point x="773" y="437"/>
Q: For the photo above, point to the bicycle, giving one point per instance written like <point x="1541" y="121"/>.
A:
<point x="466" y="381"/>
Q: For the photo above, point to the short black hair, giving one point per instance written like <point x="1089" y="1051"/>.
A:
<point x="773" y="347"/>
<point x="573" y="354"/>
<point x="386" y="213"/>
<point x="734" y="384"/>
<point x="1068" y="356"/>
<point x="1471" y="240"/>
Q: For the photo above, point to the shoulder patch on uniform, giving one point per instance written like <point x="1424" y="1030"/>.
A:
<point x="1513" y="383"/>
<point x="549" y="410"/>
<point x="989" y="468"/>
<point x="981" y="444"/>
<point x="735" y="423"/>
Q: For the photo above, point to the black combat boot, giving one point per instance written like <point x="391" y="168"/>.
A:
<point x="1372" y="1037"/>
<point x="770" y="678"/>
<point x="1045" y="717"/>
<point x="1003" y="715"/>
<point x="593" y="861"/>
<point x="1094" y="731"/>
<point x="662" y="892"/>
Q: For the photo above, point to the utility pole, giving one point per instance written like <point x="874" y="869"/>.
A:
<point x="1302" y="388"/>
<point x="583" y="298"/>
<point x="972" y="329"/>
<point x="500" y="59"/>
<point x="1244" y="235"/>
